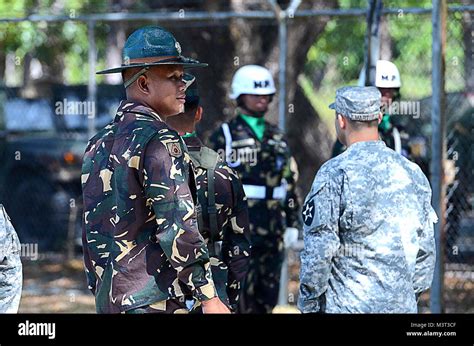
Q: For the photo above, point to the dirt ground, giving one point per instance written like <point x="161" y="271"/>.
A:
<point x="56" y="285"/>
<point x="458" y="291"/>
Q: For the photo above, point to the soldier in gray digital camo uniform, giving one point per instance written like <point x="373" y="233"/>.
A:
<point x="10" y="266"/>
<point x="368" y="233"/>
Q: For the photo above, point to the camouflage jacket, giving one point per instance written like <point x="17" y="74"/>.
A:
<point x="368" y="235"/>
<point x="11" y="277"/>
<point x="230" y="266"/>
<point x="140" y="237"/>
<point x="268" y="173"/>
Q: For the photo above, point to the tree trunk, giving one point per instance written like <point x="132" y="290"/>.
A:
<point x="468" y="52"/>
<point x="3" y="61"/>
<point x="385" y="40"/>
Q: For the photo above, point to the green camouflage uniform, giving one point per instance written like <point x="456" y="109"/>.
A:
<point x="142" y="248"/>
<point x="230" y="261"/>
<point x="268" y="173"/>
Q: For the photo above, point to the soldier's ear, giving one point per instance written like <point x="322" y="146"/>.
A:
<point x="342" y="121"/>
<point x="198" y="114"/>
<point x="380" y="117"/>
<point x="142" y="83"/>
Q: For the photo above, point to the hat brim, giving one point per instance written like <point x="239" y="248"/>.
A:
<point x="185" y="62"/>
<point x="332" y="105"/>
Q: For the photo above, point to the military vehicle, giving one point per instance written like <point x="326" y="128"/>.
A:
<point x="42" y="141"/>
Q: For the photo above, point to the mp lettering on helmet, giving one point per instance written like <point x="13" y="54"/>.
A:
<point x="261" y="84"/>
<point x="386" y="77"/>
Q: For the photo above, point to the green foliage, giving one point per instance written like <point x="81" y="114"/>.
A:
<point x="337" y="56"/>
<point x="54" y="43"/>
<point x="335" y="59"/>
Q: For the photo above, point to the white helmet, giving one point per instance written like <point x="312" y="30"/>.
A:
<point x="387" y="75"/>
<point x="252" y="79"/>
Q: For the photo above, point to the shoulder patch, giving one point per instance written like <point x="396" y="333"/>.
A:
<point x="308" y="212"/>
<point x="174" y="149"/>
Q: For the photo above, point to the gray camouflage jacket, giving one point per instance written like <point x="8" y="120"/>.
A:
<point x="10" y="266"/>
<point x="368" y="235"/>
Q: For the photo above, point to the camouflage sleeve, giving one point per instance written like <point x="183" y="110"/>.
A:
<point x="88" y="264"/>
<point x="236" y="243"/>
<point x="292" y="205"/>
<point x="426" y="257"/>
<point x="321" y="242"/>
<point x="10" y="266"/>
<point x="167" y="190"/>
<point x="217" y="141"/>
<point x="90" y="271"/>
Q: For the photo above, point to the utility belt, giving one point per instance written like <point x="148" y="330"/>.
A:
<point x="265" y="192"/>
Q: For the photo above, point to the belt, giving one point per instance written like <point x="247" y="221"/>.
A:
<point x="265" y="192"/>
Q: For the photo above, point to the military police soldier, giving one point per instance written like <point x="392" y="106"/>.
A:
<point x="222" y="205"/>
<point x="11" y="278"/>
<point x="368" y="222"/>
<point x="387" y="80"/>
<point x="259" y="153"/>
<point x="142" y="248"/>
<point x="393" y="129"/>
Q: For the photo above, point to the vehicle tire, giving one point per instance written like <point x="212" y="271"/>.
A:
<point x="33" y="206"/>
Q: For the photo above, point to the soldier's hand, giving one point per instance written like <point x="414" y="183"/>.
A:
<point x="214" y="306"/>
<point x="290" y="237"/>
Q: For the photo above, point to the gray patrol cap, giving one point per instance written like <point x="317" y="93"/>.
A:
<point x="358" y="103"/>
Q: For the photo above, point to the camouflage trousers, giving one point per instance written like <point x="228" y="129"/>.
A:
<point x="170" y="306"/>
<point x="260" y="292"/>
<point x="11" y="276"/>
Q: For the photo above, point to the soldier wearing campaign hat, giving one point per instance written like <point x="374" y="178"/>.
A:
<point x="142" y="248"/>
<point x="368" y="221"/>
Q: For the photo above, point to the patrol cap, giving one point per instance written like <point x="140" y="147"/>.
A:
<point x="358" y="103"/>
<point x="152" y="46"/>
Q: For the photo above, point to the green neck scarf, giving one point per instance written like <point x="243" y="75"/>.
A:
<point x="385" y="124"/>
<point x="187" y="135"/>
<point x="256" y="124"/>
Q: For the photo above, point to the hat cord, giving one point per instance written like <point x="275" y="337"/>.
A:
<point x="135" y="76"/>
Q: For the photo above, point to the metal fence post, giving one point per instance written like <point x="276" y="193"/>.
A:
<point x="372" y="42"/>
<point x="282" y="17"/>
<point x="283" y="44"/>
<point x="438" y="147"/>
<point x="91" y="84"/>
